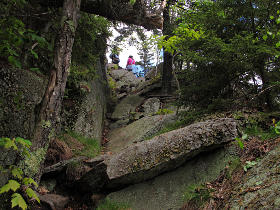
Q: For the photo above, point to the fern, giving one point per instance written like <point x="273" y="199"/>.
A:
<point x="11" y="185"/>
<point x="21" y="182"/>
<point x="17" y="200"/>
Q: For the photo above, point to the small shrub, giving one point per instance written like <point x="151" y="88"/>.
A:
<point x="249" y="164"/>
<point x="164" y="112"/>
<point x="260" y="132"/>
<point x="197" y="195"/>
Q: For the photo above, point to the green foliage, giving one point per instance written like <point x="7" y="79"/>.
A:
<point x="197" y="194"/>
<point x="164" y="112"/>
<point x="18" y="200"/>
<point x="11" y="185"/>
<point x="20" y="184"/>
<point x="89" y="47"/>
<point x="262" y="133"/>
<point x="249" y="164"/>
<point x="240" y="140"/>
<point x="221" y="50"/>
<point x="276" y="126"/>
<point x="112" y="83"/>
<point x="92" y="146"/>
<point x="132" y="2"/>
<point x="18" y="43"/>
<point x="110" y="205"/>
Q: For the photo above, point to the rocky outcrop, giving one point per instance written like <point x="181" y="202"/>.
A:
<point x="20" y="92"/>
<point x="123" y="81"/>
<point x="126" y="106"/>
<point x="91" y="115"/>
<point x="148" y="159"/>
<point x="259" y="188"/>
<point x="166" y="191"/>
<point x="151" y="106"/>
<point x="137" y="131"/>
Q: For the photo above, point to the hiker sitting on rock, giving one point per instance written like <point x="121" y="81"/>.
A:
<point x="130" y="63"/>
<point x="115" y="58"/>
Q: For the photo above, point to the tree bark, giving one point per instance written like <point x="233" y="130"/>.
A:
<point x="120" y="10"/>
<point x="167" y="57"/>
<point x="48" y="117"/>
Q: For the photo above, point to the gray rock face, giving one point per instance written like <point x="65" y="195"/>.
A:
<point x="166" y="152"/>
<point x="137" y="131"/>
<point x="259" y="188"/>
<point x="20" y="92"/>
<point x="126" y="106"/>
<point x="125" y="81"/>
<point x="127" y="77"/>
<point x="89" y="120"/>
<point x="166" y="191"/>
<point x="151" y="106"/>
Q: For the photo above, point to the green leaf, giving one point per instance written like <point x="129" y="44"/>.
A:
<point x="271" y="17"/>
<point x="14" y="61"/>
<point x="278" y="44"/>
<point x="264" y="37"/>
<point x="11" y="185"/>
<point x="28" y="181"/>
<point x="34" y="54"/>
<point x="17" y="200"/>
<point x="17" y="173"/>
<point x="240" y="142"/>
<point x="9" y="143"/>
<point x="32" y="194"/>
<point x="23" y="142"/>
<point x="132" y="2"/>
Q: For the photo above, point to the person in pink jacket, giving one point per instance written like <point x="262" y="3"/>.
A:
<point x="130" y="63"/>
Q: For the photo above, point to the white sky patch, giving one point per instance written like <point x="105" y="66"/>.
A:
<point x="126" y="49"/>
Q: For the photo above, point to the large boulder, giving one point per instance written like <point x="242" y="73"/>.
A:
<point x="126" y="106"/>
<point x="88" y="114"/>
<point x="166" y="191"/>
<point x="148" y="159"/>
<point x="137" y="131"/>
<point x="151" y="106"/>
<point x="125" y="81"/>
<point x="21" y="91"/>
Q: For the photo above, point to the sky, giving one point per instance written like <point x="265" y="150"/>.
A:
<point x="126" y="49"/>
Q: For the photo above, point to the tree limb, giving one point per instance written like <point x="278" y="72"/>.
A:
<point x="117" y="10"/>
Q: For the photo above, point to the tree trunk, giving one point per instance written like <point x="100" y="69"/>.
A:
<point x="48" y="117"/>
<point x="167" y="57"/>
